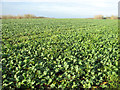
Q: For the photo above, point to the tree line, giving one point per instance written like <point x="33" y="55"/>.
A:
<point x="33" y="16"/>
<point x="19" y="16"/>
<point x="102" y="17"/>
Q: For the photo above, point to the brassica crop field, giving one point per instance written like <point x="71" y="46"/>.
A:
<point x="60" y="53"/>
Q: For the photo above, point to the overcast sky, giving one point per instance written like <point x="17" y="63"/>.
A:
<point x="61" y="8"/>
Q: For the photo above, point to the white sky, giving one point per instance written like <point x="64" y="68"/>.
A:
<point x="64" y="8"/>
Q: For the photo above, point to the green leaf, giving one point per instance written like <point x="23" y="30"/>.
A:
<point x="50" y="80"/>
<point x="52" y="85"/>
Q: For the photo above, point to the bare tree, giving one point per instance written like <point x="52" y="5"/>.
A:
<point x="98" y="17"/>
<point x="114" y="17"/>
<point x="19" y="16"/>
<point x="29" y="16"/>
<point x="7" y="16"/>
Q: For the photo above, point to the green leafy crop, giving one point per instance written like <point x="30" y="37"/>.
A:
<point x="60" y="53"/>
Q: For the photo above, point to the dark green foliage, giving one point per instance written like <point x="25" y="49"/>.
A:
<point x="60" y="53"/>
